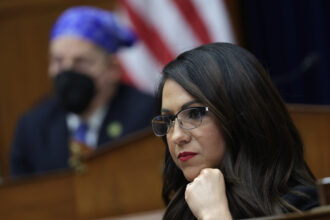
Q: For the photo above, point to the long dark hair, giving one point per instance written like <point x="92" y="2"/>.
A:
<point x="264" y="152"/>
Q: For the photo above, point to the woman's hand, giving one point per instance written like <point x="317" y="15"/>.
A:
<point x="206" y="196"/>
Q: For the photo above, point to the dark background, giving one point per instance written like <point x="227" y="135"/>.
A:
<point x="291" y="39"/>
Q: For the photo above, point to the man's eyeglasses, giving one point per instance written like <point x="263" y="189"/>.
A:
<point x="188" y="118"/>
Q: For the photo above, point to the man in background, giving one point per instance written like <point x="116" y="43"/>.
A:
<point x="90" y="104"/>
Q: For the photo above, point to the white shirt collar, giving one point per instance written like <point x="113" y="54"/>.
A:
<point x="94" y="123"/>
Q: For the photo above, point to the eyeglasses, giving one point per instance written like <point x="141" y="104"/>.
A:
<point x="188" y="119"/>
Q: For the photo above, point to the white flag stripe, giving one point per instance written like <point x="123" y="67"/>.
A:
<point x="216" y="19"/>
<point x="145" y="71"/>
<point x="167" y="20"/>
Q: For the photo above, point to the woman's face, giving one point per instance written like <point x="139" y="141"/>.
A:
<point x="195" y="149"/>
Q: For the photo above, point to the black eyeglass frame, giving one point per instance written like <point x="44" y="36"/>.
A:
<point x="173" y="117"/>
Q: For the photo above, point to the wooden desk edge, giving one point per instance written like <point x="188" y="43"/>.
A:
<point x="321" y="211"/>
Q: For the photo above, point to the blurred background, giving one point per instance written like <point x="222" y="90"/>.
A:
<point x="289" y="37"/>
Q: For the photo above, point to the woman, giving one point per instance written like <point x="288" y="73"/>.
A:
<point x="232" y="150"/>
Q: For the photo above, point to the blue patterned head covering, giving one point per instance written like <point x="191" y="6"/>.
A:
<point x="96" y="25"/>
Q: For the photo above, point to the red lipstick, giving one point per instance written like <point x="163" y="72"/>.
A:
<point x="184" y="156"/>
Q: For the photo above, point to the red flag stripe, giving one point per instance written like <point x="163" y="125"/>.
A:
<point x="193" y="18"/>
<point x="149" y="36"/>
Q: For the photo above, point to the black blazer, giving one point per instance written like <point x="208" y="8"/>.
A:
<point x="308" y="201"/>
<point x="41" y="139"/>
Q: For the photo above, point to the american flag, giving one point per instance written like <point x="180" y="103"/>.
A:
<point x="165" y="29"/>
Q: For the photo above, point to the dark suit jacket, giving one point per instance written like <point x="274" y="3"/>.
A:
<point x="41" y="140"/>
<point x="308" y="201"/>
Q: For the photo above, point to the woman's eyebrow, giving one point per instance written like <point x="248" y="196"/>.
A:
<point x="184" y="106"/>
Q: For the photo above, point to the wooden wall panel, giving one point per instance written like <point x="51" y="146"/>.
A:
<point x="46" y="197"/>
<point x="313" y="123"/>
<point x="110" y="185"/>
<point x="24" y="31"/>
<point x="107" y="187"/>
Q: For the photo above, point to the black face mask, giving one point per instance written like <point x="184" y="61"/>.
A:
<point x="74" y="90"/>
